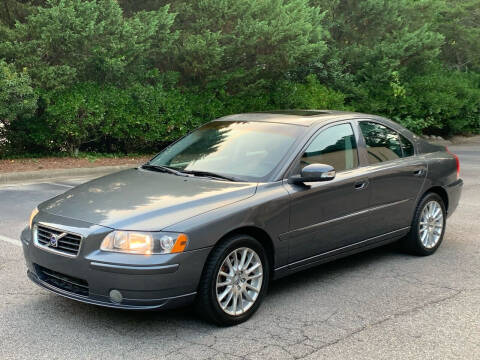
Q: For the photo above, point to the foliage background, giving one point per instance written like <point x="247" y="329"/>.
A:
<point x="132" y="75"/>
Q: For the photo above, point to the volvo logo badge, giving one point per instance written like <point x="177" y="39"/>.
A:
<point x="53" y="241"/>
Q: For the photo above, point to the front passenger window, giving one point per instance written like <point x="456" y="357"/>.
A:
<point x="335" y="146"/>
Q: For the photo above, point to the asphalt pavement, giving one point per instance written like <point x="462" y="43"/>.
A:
<point x="376" y="305"/>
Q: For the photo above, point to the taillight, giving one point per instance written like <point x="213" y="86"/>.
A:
<point x="457" y="160"/>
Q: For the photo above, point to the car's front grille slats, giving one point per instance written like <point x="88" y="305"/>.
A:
<point x="65" y="242"/>
<point x="68" y="244"/>
<point x="65" y="278"/>
<point x="67" y="250"/>
<point x="62" y="281"/>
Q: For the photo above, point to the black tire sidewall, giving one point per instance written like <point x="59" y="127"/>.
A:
<point x="415" y="241"/>
<point x="218" y="256"/>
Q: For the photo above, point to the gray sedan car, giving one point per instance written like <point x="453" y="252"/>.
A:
<point x="240" y="201"/>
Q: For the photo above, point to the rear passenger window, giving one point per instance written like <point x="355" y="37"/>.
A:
<point x="335" y="146"/>
<point x="407" y="146"/>
<point x="383" y="144"/>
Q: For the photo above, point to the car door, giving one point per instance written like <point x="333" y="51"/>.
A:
<point x="332" y="214"/>
<point x="396" y="177"/>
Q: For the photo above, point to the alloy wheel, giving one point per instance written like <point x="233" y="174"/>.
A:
<point x="430" y="226"/>
<point x="239" y="281"/>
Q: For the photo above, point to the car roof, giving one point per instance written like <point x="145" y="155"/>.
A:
<point x="297" y="117"/>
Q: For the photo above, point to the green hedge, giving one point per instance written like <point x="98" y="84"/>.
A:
<point x="123" y="76"/>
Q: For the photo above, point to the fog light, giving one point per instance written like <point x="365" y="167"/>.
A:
<point x="116" y="296"/>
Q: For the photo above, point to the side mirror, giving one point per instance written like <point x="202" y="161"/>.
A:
<point x="314" y="173"/>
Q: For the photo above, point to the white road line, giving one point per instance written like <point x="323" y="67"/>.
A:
<point x="17" y="185"/>
<point x="46" y="182"/>
<point x="10" y="241"/>
<point x="57" y="184"/>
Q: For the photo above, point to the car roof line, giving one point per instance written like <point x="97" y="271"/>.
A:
<point x="287" y="117"/>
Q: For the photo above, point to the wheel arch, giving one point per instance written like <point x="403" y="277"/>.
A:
<point x="440" y="191"/>
<point x="258" y="234"/>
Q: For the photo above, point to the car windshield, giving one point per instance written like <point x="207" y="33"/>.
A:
<point x="246" y="151"/>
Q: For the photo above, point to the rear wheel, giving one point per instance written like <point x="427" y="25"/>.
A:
<point x="234" y="281"/>
<point x="428" y="226"/>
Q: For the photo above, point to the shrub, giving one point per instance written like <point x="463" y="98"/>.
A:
<point x="70" y="41"/>
<point x="17" y="99"/>
<point x="441" y="101"/>
<point x="308" y="95"/>
<point x="126" y="75"/>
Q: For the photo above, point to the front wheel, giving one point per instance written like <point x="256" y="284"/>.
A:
<point x="234" y="281"/>
<point x="428" y="226"/>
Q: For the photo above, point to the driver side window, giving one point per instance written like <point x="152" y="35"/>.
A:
<point x="335" y="146"/>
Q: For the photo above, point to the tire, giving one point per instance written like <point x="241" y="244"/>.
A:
<point x="425" y="237"/>
<point x="215" y="306"/>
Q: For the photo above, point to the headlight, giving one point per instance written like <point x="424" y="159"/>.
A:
<point x="134" y="242"/>
<point x="32" y="215"/>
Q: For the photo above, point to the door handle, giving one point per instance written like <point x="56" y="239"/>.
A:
<point x="360" y="185"/>
<point x="418" y="172"/>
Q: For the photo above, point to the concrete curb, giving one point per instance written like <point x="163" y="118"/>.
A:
<point x="25" y="176"/>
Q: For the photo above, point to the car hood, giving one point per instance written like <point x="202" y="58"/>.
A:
<point x="138" y="199"/>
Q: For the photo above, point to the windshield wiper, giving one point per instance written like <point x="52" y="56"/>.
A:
<point x="161" y="168"/>
<point x="208" y="174"/>
<point x="170" y="170"/>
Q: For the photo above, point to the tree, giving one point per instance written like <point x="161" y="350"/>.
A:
<point x="128" y="75"/>
<point x="17" y="100"/>
<point x="371" y="40"/>
<point x="309" y="95"/>
<point x="246" y="40"/>
<point x="17" y="97"/>
<point x="74" y="40"/>
<point x="459" y="22"/>
<point x="130" y="7"/>
<point x="12" y="11"/>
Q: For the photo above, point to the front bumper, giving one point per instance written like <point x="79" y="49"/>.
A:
<point x="127" y="304"/>
<point x="145" y="282"/>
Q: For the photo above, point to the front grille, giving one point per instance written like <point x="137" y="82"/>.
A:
<point x="68" y="244"/>
<point x="62" y="281"/>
